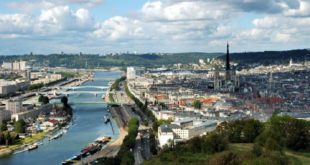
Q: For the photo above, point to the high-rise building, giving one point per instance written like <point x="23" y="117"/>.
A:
<point x="131" y="73"/>
<point x="16" y="65"/>
<point x="7" y="65"/>
<point x="15" y="106"/>
<point x="22" y="65"/>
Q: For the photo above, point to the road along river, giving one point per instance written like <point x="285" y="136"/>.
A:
<point x="88" y="114"/>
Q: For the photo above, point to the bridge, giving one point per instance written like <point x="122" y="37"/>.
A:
<point x="67" y="93"/>
<point x="82" y="87"/>
<point x="104" y="79"/>
<point x="81" y="92"/>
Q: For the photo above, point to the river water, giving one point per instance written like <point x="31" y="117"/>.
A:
<point x="88" y="112"/>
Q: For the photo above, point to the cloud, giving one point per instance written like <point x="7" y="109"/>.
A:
<point x="120" y="28"/>
<point x="50" y="21"/>
<point x="62" y="18"/>
<point x="277" y="29"/>
<point x="169" y="24"/>
<point x="33" y="5"/>
<point x="15" y="23"/>
<point x="264" y="6"/>
<point x="181" y="11"/>
<point x="302" y="11"/>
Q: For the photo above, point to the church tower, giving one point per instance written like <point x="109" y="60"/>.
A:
<point x="227" y="64"/>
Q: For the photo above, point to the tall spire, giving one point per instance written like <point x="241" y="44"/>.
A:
<point x="227" y="58"/>
<point x="227" y="64"/>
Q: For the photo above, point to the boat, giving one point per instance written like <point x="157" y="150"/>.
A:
<point x="64" y="131"/>
<point x="91" y="149"/>
<point x="32" y="147"/>
<point x="103" y="140"/>
<point x="106" y="119"/>
<point x="67" y="126"/>
<point x="72" y="160"/>
<point x="58" y="135"/>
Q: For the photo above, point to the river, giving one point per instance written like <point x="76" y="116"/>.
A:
<point x="88" y="112"/>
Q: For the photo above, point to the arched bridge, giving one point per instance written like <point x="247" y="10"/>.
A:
<point x="81" y="92"/>
<point x="83" y="87"/>
<point x="95" y="93"/>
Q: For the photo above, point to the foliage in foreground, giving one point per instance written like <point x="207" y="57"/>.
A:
<point x="229" y="144"/>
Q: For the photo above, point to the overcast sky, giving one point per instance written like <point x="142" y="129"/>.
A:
<point x="105" y="26"/>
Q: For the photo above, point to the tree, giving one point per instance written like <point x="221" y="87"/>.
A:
<point x="285" y="131"/>
<point x="7" y="138"/>
<point x="40" y="100"/>
<point x="67" y="107"/>
<point x="2" y="139"/>
<point x="195" y="144"/>
<point x="145" y="105"/>
<point x="3" y="126"/>
<point x="64" y="101"/>
<point x="43" y="99"/>
<point x="197" y="104"/>
<point x="153" y="143"/>
<point x="251" y="129"/>
<point x="242" y="131"/>
<point x="19" y="126"/>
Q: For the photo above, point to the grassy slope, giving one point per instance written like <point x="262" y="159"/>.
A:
<point x="243" y="150"/>
<point x="28" y="140"/>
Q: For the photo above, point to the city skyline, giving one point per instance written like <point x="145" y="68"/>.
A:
<point x="106" y="26"/>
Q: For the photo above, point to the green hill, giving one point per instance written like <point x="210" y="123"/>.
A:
<point x="281" y="141"/>
<point x="123" y="60"/>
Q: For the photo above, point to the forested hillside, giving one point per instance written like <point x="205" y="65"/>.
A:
<point x="94" y="61"/>
<point x="153" y="60"/>
<point x="270" y="57"/>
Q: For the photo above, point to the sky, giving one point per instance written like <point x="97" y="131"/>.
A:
<point x="143" y="26"/>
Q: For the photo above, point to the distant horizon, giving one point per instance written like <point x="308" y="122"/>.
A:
<point x="132" y="53"/>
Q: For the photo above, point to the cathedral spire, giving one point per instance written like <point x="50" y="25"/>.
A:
<point x="227" y="64"/>
<point x="227" y="58"/>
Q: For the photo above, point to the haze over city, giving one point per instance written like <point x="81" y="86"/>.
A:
<point x="109" y="26"/>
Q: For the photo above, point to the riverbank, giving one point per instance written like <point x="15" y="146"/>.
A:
<point x="88" y="116"/>
<point x="111" y="149"/>
<point x="23" y="143"/>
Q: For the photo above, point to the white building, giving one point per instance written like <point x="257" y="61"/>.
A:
<point x="7" y="65"/>
<point x="7" y="88"/>
<point x="16" y="66"/>
<point x="196" y="129"/>
<point x="202" y="62"/>
<point x="47" y="79"/>
<point x="19" y="65"/>
<point x="29" y="112"/>
<point x="14" y="106"/>
<point x="165" y="115"/>
<point x="165" y="135"/>
<point x="184" y="130"/>
<point x="22" y="65"/>
<point x="131" y="73"/>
